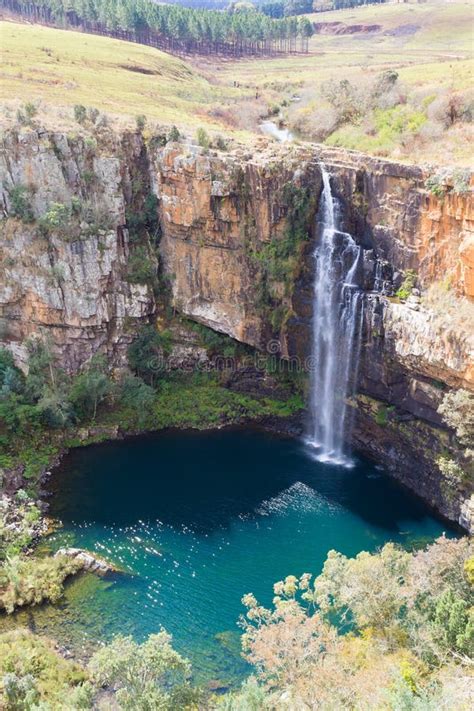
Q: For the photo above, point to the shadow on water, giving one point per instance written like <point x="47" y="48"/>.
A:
<point x="205" y="480"/>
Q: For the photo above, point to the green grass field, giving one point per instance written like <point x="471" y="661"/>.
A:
<point x="433" y="32"/>
<point x="62" y="68"/>
<point x="440" y="26"/>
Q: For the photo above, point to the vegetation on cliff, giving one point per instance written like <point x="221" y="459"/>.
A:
<point x="46" y="409"/>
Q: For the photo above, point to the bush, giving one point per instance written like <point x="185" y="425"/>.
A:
<point x="11" y="378"/>
<point x="382" y="624"/>
<point x="145" y="354"/>
<point x="89" y="389"/>
<point x="451" y="107"/>
<point x="30" y="581"/>
<point x="56" y="217"/>
<point x="141" y="269"/>
<point x="136" y="394"/>
<point x="92" y="114"/>
<point x="141" y="122"/>
<point x="88" y="177"/>
<point x="203" y="138"/>
<point x="446" y="180"/>
<point x="151" y="675"/>
<point x="457" y="410"/>
<point x="20" y="523"/>
<point x="80" y="113"/>
<point x="34" y="676"/>
<point x="174" y="134"/>
<point x="407" y="286"/>
<point x="30" y="110"/>
<point x="20" y="203"/>
<point x="26" y="116"/>
<point x="220" y="143"/>
<point x="436" y="185"/>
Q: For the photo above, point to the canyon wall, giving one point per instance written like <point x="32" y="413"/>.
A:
<point x="231" y="247"/>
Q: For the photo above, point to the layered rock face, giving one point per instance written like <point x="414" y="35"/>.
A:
<point x="68" y="282"/>
<point x="235" y="253"/>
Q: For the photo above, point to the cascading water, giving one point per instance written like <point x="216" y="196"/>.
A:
<point x="337" y="316"/>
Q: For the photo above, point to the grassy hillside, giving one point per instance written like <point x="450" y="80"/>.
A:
<point x="429" y="45"/>
<point x="64" y="68"/>
<point x="442" y="26"/>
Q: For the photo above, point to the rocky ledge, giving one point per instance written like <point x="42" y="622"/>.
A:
<point x="88" y="562"/>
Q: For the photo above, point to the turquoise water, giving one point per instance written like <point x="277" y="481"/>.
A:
<point x="198" y="519"/>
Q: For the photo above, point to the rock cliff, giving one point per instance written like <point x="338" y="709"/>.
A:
<point x="103" y="232"/>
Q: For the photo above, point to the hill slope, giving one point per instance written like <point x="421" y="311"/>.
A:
<point x="64" y="68"/>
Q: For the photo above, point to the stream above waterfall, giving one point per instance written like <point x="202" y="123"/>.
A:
<point x="198" y="519"/>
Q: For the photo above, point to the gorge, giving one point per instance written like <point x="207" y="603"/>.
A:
<point x="234" y="237"/>
<point x="236" y="356"/>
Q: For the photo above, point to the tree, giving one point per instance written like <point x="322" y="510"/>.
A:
<point x="11" y="378"/>
<point x="202" y="138"/>
<point x="243" y="30"/>
<point x="384" y="626"/>
<point x="141" y="122"/>
<point x="41" y="370"/>
<point x="136" y="394"/>
<point x="89" y="389"/>
<point x="457" y="410"/>
<point x="145" y="354"/>
<point x="55" y="408"/>
<point x="147" y="676"/>
<point x="174" y="134"/>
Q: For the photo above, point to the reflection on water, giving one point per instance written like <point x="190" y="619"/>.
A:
<point x="195" y="521"/>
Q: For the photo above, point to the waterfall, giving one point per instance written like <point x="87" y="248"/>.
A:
<point x="337" y="317"/>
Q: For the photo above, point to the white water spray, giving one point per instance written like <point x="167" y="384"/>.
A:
<point x="337" y="317"/>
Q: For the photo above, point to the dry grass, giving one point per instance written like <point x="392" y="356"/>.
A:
<point x="453" y="312"/>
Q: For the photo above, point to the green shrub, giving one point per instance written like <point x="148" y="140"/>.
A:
<point x="202" y="138"/>
<point x="151" y="675"/>
<point x="141" y="269"/>
<point x="461" y="181"/>
<point x="436" y="185"/>
<point x="88" y="177"/>
<point x="174" y="134"/>
<point x="35" y="676"/>
<point x="220" y="143"/>
<point x="56" y="217"/>
<point x="20" y="202"/>
<point x="407" y="286"/>
<point x="26" y="116"/>
<point x="136" y="394"/>
<point x="30" y="110"/>
<point x="92" y="114"/>
<point x="80" y="113"/>
<point x="89" y="389"/>
<point x="141" y="122"/>
<point x="30" y="581"/>
<point x="382" y="416"/>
